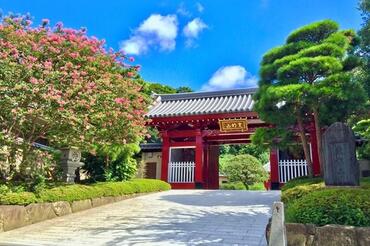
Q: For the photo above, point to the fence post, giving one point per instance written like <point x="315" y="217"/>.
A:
<point x="278" y="231"/>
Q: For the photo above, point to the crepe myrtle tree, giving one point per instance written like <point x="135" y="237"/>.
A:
<point x="60" y="84"/>
<point x="309" y="79"/>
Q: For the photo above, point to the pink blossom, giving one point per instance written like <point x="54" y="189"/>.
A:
<point x="73" y="55"/>
<point x="130" y="74"/>
<point x="120" y="100"/>
<point x="132" y="59"/>
<point x="91" y="85"/>
<point x="34" y="81"/>
<point x="48" y="65"/>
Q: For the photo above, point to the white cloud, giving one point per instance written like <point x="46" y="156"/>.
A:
<point x="181" y="10"/>
<point x="156" y="31"/>
<point x="193" y="29"/>
<point x="230" y="77"/>
<point x="200" y="7"/>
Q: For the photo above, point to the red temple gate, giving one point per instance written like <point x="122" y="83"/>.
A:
<point x="194" y="125"/>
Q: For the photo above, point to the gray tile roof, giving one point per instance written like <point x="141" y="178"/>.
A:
<point x="197" y="103"/>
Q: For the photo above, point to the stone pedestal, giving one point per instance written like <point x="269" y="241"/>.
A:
<point x="70" y="161"/>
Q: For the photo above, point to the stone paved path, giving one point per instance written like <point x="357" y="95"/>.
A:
<point x="177" y="217"/>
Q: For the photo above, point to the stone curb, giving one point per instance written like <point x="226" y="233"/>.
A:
<point x="328" y="235"/>
<point x="15" y="216"/>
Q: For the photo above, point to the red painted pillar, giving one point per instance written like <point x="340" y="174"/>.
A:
<point x="206" y="165"/>
<point x="165" y="155"/>
<point x="274" y="169"/>
<point x="314" y="151"/>
<point x="213" y="167"/>
<point x="198" y="159"/>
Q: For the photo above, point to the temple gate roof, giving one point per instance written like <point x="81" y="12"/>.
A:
<point x="200" y="103"/>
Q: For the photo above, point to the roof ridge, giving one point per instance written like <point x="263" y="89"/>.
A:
<point x="206" y="94"/>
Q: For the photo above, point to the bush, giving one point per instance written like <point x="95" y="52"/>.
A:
<point x="112" y="162"/>
<point x="343" y="206"/>
<point x="80" y="192"/>
<point x="246" y="169"/>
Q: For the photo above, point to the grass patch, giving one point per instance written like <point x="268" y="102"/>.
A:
<point x="77" y="192"/>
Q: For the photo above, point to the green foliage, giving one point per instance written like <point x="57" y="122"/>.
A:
<point x="232" y="186"/>
<point x="363" y="129"/>
<point x="300" y="191"/>
<point x="80" y="192"/>
<point x="309" y="78"/>
<point x="314" y="33"/>
<point x="21" y="198"/>
<point x="308" y="69"/>
<point x="258" y="151"/>
<point x="272" y="137"/>
<point x="112" y="163"/>
<point x="343" y="206"/>
<point x="244" y="168"/>
<point x="183" y="89"/>
<point x="241" y="186"/>
<point x="308" y="201"/>
<point x="157" y="88"/>
<point x="301" y="181"/>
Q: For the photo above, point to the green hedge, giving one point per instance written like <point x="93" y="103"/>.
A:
<point x="309" y="201"/>
<point x="80" y="192"/>
<point x="343" y="206"/>
<point x="301" y="181"/>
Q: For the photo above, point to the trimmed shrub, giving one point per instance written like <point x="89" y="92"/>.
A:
<point x="301" y="181"/>
<point x="80" y="192"/>
<point x="240" y="186"/>
<point x="343" y="206"/>
<point x="232" y="186"/>
<point x="299" y="191"/>
<point x="21" y="198"/>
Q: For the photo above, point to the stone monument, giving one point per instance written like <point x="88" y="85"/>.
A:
<point x="339" y="156"/>
<point x="70" y="161"/>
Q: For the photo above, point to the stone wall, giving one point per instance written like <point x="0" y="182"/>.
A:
<point x="13" y="216"/>
<point x="329" y="235"/>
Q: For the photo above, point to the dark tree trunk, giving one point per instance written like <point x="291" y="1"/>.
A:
<point x="306" y="149"/>
<point x="318" y="137"/>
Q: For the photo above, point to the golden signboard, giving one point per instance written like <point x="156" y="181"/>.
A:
<point x="233" y="125"/>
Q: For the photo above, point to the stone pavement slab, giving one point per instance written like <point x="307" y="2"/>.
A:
<point x="176" y="217"/>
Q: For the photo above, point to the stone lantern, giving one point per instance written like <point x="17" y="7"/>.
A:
<point x="70" y="161"/>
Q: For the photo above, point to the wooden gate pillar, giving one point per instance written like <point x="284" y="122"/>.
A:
<point x="198" y="160"/>
<point x="274" y="169"/>
<point x="165" y="155"/>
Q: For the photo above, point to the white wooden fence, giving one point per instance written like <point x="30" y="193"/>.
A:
<point x="181" y="172"/>
<point x="290" y="169"/>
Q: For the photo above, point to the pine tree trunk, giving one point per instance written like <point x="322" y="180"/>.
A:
<point x="318" y="137"/>
<point x="306" y="149"/>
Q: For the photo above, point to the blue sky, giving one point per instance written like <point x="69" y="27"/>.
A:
<point x="205" y="44"/>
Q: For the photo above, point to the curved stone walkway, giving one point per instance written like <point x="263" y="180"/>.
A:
<point x="176" y="217"/>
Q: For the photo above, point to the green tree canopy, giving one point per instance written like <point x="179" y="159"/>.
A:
<point x="310" y="78"/>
